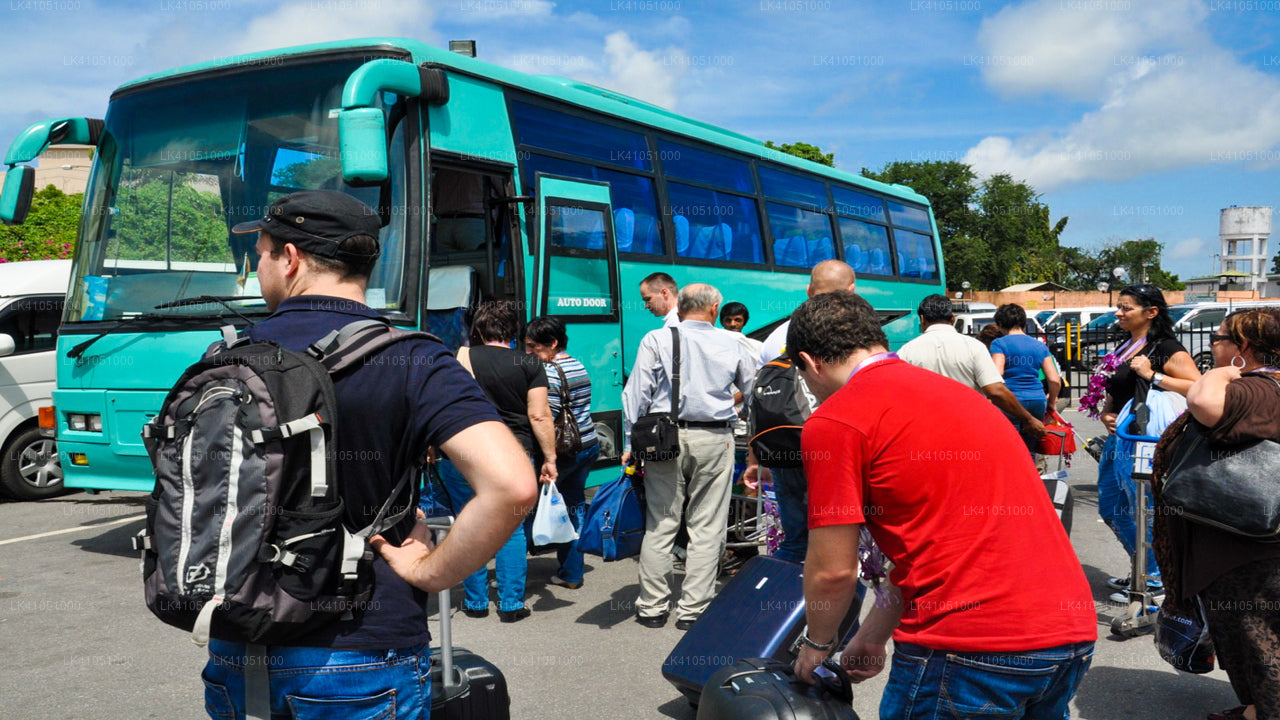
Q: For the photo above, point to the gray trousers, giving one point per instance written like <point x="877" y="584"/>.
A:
<point x="701" y="473"/>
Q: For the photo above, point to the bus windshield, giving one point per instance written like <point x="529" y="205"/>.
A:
<point x="180" y="163"/>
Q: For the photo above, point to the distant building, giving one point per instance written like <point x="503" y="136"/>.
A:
<point x="65" y="167"/>
<point x="1244" y="260"/>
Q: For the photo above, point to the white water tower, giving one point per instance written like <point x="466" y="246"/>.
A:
<point x="1244" y="232"/>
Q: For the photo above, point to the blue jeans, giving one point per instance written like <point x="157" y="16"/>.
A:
<point x="1035" y="685"/>
<point x="792" y="492"/>
<point x="317" y="683"/>
<point x="572" y="484"/>
<point x="510" y="564"/>
<point x="1037" y="407"/>
<point x="1118" y="498"/>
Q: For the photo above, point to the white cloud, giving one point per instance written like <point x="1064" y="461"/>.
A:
<point x="312" y="21"/>
<point x="1180" y="102"/>
<point x="1186" y="249"/>
<point x="491" y="10"/>
<point x="646" y="74"/>
<point x="1072" y="49"/>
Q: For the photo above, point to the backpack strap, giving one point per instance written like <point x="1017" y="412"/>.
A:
<point x="313" y="425"/>
<point x="354" y="342"/>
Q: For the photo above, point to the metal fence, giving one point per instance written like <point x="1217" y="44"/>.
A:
<point x="1078" y="351"/>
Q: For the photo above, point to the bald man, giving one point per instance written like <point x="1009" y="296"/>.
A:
<point x="827" y="276"/>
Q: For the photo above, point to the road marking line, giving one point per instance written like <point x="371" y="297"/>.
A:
<point x="77" y="528"/>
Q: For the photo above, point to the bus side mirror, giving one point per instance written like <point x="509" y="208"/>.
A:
<point x="362" y="132"/>
<point x="362" y="139"/>
<point x="15" y="198"/>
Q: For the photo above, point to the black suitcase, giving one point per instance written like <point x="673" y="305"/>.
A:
<point x="758" y="689"/>
<point x="463" y="684"/>
<point x="758" y="614"/>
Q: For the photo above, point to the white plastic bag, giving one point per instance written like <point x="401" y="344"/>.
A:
<point x="551" y="520"/>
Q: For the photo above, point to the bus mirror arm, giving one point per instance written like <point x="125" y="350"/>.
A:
<point x="362" y="127"/>
<point x="511" y="199"/>
<point x="19" y="181"/>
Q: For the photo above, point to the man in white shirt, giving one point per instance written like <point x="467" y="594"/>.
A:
<point x="712" y="364"/>
<point x="940" y="348"/>
<point x="659" y="292"/>
<point x="827" y="276"/>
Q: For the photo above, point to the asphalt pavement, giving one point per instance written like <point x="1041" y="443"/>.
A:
<point x="76" y="640"/>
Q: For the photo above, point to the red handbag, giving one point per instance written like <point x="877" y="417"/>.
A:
<point x="1059" y="437"/>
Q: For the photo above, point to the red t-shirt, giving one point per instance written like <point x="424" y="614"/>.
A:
<point x="951" y="496"/>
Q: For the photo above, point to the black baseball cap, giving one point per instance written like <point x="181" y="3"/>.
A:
<point x="319" y="221"/>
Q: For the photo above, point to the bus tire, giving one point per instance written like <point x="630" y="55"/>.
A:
<point x="29" y="468"/>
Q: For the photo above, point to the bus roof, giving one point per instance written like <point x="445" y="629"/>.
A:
<point x="575" y="92"/>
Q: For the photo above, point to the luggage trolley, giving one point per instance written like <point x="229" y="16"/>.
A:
<point x="1140" y="615"/>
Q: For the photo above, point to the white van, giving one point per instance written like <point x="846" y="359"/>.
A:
<point x="1195" y="322"/>
<point x="31" y="298"/>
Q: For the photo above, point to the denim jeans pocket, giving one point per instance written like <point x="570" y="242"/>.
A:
<point x="995" y="685"/>
<point x="217" y="700"/>
<point x="906" y="674"/>
<point x="374" y="707"/>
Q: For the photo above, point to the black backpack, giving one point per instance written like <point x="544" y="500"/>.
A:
<point x="778" y="407"/>
<point x="245" y="538"/>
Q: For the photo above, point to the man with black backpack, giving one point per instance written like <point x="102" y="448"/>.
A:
<point x="316" y="250"/>
<point x="777" y="409"/>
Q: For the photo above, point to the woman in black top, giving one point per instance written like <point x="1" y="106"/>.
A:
<point x="516" y="384"/>
<point x="1236" y="578"/>
<point x="1155" y="356"/>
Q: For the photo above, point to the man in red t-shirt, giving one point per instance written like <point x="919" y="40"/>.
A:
<point x="989" y="609"/>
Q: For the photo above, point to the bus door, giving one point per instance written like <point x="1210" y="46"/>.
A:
<point x="577" y="282"/>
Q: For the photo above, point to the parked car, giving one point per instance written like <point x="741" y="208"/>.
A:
<point x="1195" y="322"/>
<point x="31" y="299"/>
<point x="972" y="324"/>
<point x="1077" y="319"/>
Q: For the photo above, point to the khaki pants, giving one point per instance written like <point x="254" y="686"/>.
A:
<point x="702" y="473"/>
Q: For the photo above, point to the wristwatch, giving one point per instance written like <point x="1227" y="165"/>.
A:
<point x="822" y="647"/>
<point x="1156" y="379"/>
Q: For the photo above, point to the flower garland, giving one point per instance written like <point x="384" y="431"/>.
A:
<point x="1100" y="380"/>
<point x="874" y="567"/>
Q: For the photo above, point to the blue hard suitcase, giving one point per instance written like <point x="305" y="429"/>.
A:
<point x="757" y="689"/>
<point x="758" y="614"/>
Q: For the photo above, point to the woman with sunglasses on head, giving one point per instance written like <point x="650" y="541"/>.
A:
<point x="1236" y="578"/>
<point x="1153" y="355"/>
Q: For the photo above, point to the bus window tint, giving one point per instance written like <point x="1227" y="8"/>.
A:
<point x="913" y="217"/>
<point x="713" y="225"/>
<point x="687" y="163"/>
<point x="857" y="204"/>
<point x="550" y="130"/>
<point x="635" y="207"/>
<point x="784" y="186"/>
<point x="800" y="238"/>
<point x="866" y="247"/>
<point x="915" y="255"/>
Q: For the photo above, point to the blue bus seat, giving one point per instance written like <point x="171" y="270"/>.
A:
<point x="879" y="264"/>
<point x="791" y="251"/>
<point x="820" y="250"/>
<point x="856" y="257"/>
<point x="681" y="224"/>
<point x="451" y="289"/>
<point x="624" y="228"/>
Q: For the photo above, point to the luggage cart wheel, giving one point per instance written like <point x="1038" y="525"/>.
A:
<point x="1130" y="627"/>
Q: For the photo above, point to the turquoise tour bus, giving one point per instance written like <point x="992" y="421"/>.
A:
<point x="490" y="183"/>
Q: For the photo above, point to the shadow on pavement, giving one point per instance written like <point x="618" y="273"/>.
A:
<point x="118" y="540"/>
<point x="1111" y="693"/>
<point x="679" y="708"/>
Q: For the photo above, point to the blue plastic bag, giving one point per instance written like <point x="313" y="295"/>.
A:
<point x="613" y="527"/>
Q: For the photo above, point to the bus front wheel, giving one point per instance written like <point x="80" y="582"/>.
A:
<point x="29" y="469"/>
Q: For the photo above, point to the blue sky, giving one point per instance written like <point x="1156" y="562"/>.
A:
<point x="1132" y="117"/>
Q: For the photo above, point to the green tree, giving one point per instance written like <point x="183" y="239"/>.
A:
<point x="993" y="233"/>
<point x="49" y="231"/>
<point x="806" y="151"/>
<point x="1275" y="265"/>
<point x="1141" y="259"/>
<point x="169" y="216"/>
<point x="310" y="174"/>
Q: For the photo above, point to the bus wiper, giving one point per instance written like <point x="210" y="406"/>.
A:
<point x="79" y="349"/>
<point x="223" y="300"/>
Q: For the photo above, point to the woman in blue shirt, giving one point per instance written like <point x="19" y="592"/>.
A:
<point x="1020" y="358"/>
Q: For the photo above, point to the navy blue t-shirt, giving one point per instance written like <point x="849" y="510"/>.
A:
<point x="412" y="395"/>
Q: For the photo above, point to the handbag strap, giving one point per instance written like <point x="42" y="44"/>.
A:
<point x="564" y="387"/>
<point x="675" y="374"/>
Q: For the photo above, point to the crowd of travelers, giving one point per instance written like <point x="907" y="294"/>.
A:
<point x="923" y="448"/>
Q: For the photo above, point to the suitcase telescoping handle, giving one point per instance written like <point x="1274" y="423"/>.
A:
<point x="440" y="526"/>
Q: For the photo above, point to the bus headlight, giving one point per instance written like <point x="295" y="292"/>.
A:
<point x="81" y="422"/>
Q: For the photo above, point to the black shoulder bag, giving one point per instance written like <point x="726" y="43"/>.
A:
<point x="1233" y="488"/>
<point x="568" y="437"/>
<point x="655" y="436"/>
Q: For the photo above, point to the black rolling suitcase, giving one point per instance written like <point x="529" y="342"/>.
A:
<point x="758" y="689"/>
<point x="758" y="614"/>
<point x="463" y="684"/>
